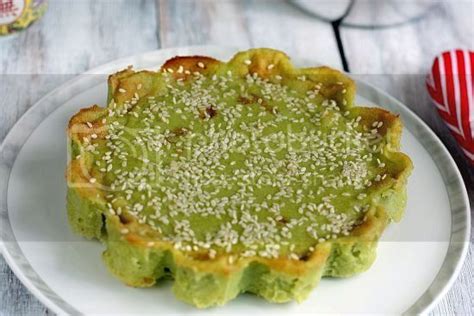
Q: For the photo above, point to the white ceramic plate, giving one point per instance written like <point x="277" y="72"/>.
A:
<point x="418" y="259"/>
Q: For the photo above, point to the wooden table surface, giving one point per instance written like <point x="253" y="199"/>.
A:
<point x="77" y="35"/>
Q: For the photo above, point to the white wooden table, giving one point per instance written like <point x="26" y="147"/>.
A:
<point x="77" y="35"/>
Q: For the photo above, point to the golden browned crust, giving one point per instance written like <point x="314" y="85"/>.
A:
<point x="87" y="122"/>
<point x="183" y="67"/>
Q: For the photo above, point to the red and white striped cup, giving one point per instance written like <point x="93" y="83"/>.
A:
<point x="450" y="85"/>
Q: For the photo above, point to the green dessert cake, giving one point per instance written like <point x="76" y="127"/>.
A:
<point x="246" y="176"/>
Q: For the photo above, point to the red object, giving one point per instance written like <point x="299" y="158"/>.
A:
<point x="450" y="85"/>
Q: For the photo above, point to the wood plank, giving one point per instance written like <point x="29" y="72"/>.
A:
<point x="281" y="25"/>
<point x="265" y="23"/>
<point x="15" y="299"/>
<point x="74" y="36"/>
<point x="191" y="22"/>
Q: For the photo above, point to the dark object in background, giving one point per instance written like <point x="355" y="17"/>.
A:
<point x="364" y="14"/>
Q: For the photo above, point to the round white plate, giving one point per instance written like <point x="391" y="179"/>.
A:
<point x="418" y="258"/>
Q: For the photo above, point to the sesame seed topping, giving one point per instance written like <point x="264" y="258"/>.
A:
<point x="260" y="163"/>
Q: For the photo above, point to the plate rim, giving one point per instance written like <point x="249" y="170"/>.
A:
<point x="460" y="225"/>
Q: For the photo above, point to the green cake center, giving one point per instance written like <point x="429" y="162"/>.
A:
<point x="229" y="164"/>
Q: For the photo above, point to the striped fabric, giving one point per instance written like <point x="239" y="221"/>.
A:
<point x="450" y="85"/>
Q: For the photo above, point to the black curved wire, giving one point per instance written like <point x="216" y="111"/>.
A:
<point x="336" y="27"/>
<point x="366" y="26"/>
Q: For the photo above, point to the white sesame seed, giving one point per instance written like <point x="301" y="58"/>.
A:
<point x="294" y="256"/>
<point x="212" y="253"/>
